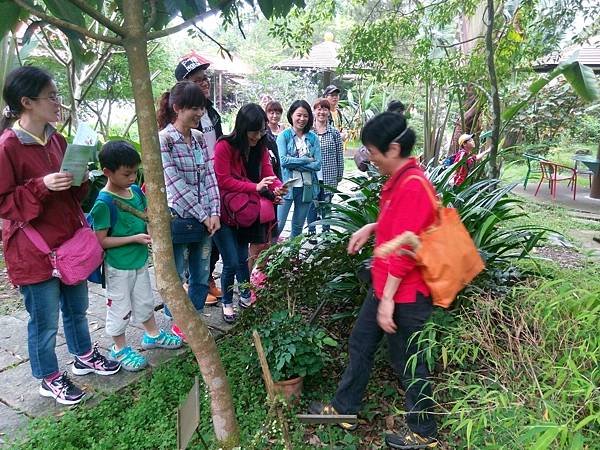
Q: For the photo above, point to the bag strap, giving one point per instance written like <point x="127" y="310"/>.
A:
<point x="434" y="200"/>
<point x="107" y="199"/>
<point x="36" y="238"/>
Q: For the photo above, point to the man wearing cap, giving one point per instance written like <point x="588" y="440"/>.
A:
<point x="332" y="94"/>
<point x="466" y="146"/>
<point x="192" y="67"/>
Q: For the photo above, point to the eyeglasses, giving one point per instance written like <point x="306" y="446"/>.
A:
<point x="54" y="98"/>
<point x="201" y="80"/>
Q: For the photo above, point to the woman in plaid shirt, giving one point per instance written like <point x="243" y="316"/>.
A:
<point x="332" y="162"/>
<point x="191" y="183"/>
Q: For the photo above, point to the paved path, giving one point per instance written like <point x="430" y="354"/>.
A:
<point x="19" y="398"/>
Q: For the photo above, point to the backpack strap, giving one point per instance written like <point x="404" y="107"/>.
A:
<point x="107" y="199"/>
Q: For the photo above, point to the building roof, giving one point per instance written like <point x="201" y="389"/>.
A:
<point x="322" y="57"/>
<point x="587" y="53"/>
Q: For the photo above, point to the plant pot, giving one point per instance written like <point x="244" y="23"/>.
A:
<point x="290" y="389"/>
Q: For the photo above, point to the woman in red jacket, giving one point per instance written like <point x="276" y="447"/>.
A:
<point x="33" y="191"/>
<point x="243" y="165"/>
<point x="399" y="303"/>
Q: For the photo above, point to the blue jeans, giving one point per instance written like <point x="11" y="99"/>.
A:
<point x="364" y="341"/>
<point x="299" y="215"/>
<point x="43" y="301"/>
<point x="321" y="209"/>
<point x="198" y="268"/>
<point x="235" y="262"/>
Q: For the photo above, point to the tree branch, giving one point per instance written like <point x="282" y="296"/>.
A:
<point x="460" y="43"/>
<point x="51" y="48"/>
<point x="182" y="26"/>
<point x="67" y="25"/>
<point x="98" y="17"/>
<point x="221" y="47"/>
<point x="152" y="18"/>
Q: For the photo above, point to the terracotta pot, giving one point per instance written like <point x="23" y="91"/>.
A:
<point x="290" y="389"/>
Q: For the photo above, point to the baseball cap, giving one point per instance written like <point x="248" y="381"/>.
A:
<point x="189" y="64"/>
<point x="330" y="90"/>
<point x="464" y="138"/>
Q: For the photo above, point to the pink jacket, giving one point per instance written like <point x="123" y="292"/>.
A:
<point x="25" y="198"/>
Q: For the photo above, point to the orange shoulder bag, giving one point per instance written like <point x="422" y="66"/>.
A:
<point x="445" y="252"/>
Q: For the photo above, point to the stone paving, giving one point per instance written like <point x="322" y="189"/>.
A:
<point x="19" y="398"/>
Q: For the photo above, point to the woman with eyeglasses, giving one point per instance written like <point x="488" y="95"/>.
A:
<point x="34" y="192"/>
<point x="300" y="157"/>
<point x="248" y="186"/>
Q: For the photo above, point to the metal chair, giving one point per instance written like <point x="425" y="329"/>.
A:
<point x="553" y="173"/>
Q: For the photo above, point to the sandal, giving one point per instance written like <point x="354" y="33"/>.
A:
<point x="229" y="318"/>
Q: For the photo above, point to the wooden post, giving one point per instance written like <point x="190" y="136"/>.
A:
<point x="270" y="391"/>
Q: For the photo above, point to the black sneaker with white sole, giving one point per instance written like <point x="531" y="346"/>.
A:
<point x="96" y="363"/>
<point x="62" y="390"/>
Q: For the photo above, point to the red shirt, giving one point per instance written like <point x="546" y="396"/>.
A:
<point x="461" y="173"/>
<point x="25" y="198"/>
<point x="404" y="206"/>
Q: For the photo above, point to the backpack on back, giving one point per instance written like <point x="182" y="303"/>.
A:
<point x="97" y="276"/>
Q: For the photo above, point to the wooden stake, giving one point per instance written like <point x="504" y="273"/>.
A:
<point x="270" y="390"/>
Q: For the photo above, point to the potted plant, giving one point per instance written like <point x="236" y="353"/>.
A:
<point x="294" y="349"/>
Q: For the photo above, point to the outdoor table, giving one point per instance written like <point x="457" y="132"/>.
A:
<point x="594" y="165"/>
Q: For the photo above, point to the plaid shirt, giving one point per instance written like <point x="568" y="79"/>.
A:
<point x="190" y="179"/>
<point x="332" y="156"/>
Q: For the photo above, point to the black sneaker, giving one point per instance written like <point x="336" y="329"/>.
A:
<point x="97" y="364"/>
<point x="410" y="440"/>
<point x="62" y="390"/>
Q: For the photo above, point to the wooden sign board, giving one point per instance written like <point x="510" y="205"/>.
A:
<point x="188" y="416"/>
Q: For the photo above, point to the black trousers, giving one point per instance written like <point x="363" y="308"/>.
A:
<point x="364" y="341"/>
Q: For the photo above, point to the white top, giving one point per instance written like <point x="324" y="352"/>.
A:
<point x="210" y="137"/>
<point x="300" y="143"/>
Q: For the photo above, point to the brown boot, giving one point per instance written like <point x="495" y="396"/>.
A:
<point x="213" y="289"/>
<point x="211" y="300"/>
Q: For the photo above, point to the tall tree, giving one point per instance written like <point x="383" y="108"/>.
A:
<point x="134" y="23"/>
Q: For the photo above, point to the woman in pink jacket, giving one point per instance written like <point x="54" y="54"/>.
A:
<point x="243" y="165"/>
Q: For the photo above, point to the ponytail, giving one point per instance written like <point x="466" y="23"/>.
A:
<point x="165" y="113"/>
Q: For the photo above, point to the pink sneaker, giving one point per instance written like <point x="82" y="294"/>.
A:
<point x="177" y="332"/>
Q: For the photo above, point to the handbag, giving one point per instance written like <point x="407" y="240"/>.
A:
<point x="445" y="252"/>
<point x="242" y="208"/>
<point x="186" y="231"/>
<point x="76" y="258"/>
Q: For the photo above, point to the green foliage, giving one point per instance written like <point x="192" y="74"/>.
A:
<point x="522" y="371"/>
<point x="293" y="347"/>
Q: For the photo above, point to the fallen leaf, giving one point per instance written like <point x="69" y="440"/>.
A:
<point x="389" y="423"/>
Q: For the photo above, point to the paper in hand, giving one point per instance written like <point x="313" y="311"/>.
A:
<point x="79" y="153"/>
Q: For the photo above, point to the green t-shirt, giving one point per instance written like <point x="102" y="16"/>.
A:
<point x="129" y="256"/>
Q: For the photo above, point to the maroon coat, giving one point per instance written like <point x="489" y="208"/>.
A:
<point x="25" y="198"/>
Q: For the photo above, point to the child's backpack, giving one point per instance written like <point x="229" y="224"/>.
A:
<point x="97" y="276"/>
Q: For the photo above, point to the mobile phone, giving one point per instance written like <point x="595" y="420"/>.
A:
<point x="290" y="182"/>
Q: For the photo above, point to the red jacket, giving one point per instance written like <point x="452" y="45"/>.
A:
<point x="25" y="198"/>
<point x="404" y="206"/>
<point x="231" y="173"/>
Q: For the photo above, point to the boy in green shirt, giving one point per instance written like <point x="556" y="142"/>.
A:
<point x="125" y="240"/>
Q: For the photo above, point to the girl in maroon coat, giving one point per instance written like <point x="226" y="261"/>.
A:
<point x="33" y="191"/>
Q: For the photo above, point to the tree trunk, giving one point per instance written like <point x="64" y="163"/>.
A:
<point x="169" y="285"/>
<point x="489" y="47"/>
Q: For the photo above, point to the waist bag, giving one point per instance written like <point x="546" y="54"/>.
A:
<point x="445" y="252"/>
<point x="75" y="259"/>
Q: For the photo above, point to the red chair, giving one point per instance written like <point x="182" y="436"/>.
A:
<point x="553" y="173"/>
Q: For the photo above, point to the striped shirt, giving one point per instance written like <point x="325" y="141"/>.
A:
<point x="190" y="179"/>
<point x="332" y="156"/>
